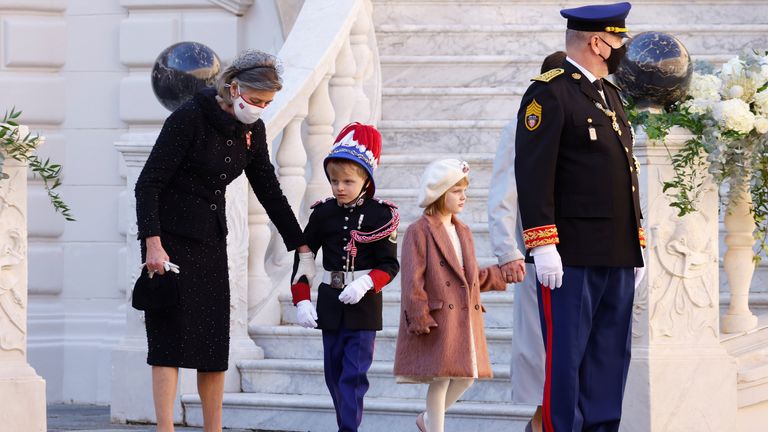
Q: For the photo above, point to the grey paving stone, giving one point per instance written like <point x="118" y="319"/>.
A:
<point x="95" y="418"/>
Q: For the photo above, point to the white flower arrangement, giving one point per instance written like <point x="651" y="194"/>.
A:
<point x="727" y="112"/>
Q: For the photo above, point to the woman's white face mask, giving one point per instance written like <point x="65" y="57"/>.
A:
<point x="245" y="112"/>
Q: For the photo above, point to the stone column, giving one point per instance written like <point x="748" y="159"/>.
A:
<point x="680" y="378"/>
<point x="22" y="391"/>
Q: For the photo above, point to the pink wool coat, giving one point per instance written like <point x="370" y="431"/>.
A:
<point x="435" y="290"/>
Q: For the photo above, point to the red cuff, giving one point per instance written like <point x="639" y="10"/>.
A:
<point x="300" y="291"/>
<point x="379" y="278"/>
<point x="540" y="236"/>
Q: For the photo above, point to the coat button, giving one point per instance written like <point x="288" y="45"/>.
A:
<point x="223" y="176"/>
<point x="626" y="149"/>
<point x="229" y="143"/>
<point x="227" y="159"/>
<point x="477" y="307"/>
<point x="448" y="283"/>
<point x="217" y="192"/>
<point x="450" y="306"/>
<point x="634" y="188"/>
<point x="213" y="207"/>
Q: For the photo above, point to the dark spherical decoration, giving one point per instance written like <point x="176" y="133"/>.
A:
<point x="181" y="70"/>
<point x="656" y="71"/>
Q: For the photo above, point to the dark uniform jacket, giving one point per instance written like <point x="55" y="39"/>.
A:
<point x="329" y="228"/>
<point x="576" y="175"/>
<point x="200" y="150"/>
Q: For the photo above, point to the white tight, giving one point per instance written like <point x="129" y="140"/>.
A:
<point x="440" y="396"/>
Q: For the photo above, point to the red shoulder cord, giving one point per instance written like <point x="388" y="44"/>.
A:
<point x="369" y="237"/>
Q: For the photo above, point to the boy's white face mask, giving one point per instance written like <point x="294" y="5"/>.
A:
<point x="245" y="112"/>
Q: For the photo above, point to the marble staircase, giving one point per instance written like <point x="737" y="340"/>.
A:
<point x="453" y="73"/>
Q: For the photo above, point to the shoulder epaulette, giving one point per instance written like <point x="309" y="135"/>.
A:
<point x="549" y="75"/>
<point x="318" y="202"/>
<point x="387" y="203"/>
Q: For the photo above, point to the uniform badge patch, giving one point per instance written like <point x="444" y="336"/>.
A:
<point x="576" y="75"/>
<point x="533" y="115"/>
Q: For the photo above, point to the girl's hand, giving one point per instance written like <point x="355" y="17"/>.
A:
<point x="156" y="256"/>
<point x="514" y="271"/>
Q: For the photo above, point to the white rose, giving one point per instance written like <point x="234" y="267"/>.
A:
<point x="705" y="86"/>
<point x="733" y="66"/>
<point x="761" y="125"/>
<point x="734" y="114"/>
<point x="761" y="102"/>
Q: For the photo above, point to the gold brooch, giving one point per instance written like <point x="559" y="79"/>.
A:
<point x="576" y="75"/>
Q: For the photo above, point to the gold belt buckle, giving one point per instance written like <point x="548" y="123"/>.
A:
<point x="337" y="279"/>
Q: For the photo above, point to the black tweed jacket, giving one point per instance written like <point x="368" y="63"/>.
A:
<point x="200" y="150"/>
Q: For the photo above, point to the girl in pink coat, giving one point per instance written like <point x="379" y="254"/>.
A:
<point x="441" y="340"/>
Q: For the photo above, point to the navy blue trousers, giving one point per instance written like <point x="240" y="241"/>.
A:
<point x="587" y="329"/>
<point x="347" y="356"/>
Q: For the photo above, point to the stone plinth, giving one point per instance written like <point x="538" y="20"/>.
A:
<point x="680" y="378"/>
<point x="22" y="391"/>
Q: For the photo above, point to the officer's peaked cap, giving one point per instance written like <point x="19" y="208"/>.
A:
<point x="608" y="18"/>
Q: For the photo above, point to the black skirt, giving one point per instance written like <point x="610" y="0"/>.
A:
<point x="195" y="334"/>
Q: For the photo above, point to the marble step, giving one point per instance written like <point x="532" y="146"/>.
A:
<point x="441" y="136"/>
<point x="404" y="170"/>
<point x="750" y="349"/>
<point x="446" y="40"/>
<point x="306" y="377"/>
<point x="450" y="103"/>
<point x="458" y="71"/>
<point x="294" y="342"/>
<point x="277" y="412"/>
<point x="498" y="307"/>
<point x="475" y="208"/>
<point x="548" y="12"/>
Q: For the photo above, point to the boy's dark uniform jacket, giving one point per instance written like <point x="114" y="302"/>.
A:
<point x="577" y="187"/>
<point x="329" y="228"/>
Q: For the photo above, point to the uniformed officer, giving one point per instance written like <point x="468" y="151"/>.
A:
<point x="580" y="209"/>
<point x="358" y="236"/>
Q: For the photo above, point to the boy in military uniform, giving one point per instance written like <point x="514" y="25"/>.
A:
<point x="580" y="209"/>
<point x="358" y="236"/>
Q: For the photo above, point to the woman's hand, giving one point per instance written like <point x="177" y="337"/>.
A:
<point x="513" y="271"/>
<point x="156" y="255"/>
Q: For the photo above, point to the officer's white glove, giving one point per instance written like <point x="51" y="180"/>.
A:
<point x="306" y="315"/>
<point x="356" y="290"/>
<point x="306" y="267"/>
<point x="640" y="271"/>
<point x="549" y="266"/>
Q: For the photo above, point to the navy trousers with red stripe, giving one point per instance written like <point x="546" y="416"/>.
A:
<point x="587" y="328"/>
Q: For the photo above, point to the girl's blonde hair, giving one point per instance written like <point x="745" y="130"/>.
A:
<point x="437" y="207"/>
<point x="337" y="166"/>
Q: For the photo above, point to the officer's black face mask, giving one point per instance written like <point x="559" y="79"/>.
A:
<point x="614" y="59"/>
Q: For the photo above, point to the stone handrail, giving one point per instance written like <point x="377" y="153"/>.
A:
<point x="332" y="77"/>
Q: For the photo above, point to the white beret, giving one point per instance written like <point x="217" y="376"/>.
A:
<point x="438" y="177"/>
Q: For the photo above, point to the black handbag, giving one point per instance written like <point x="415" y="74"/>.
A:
<point x="159" y="292"/>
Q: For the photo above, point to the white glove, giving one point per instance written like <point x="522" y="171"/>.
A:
<point x="549" y="266"/>
<point x="640" y="271"/>
<point x="356" y="290"/>
<point x="167" y="265"/>
<point x="306" y="267"/>
<point x="306" y="315"/>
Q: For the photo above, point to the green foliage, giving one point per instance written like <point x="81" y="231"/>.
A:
<point x="23" y="149"/>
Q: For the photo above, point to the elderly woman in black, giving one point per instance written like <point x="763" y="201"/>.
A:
<point x="204" y="145"/>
